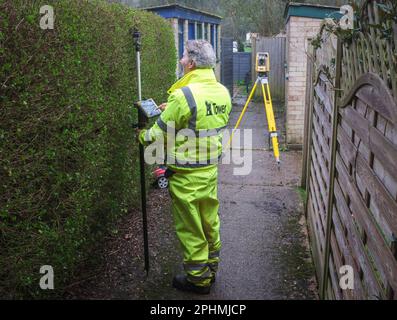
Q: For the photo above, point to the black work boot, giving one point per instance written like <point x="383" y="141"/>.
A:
<point x="180" y="282"/>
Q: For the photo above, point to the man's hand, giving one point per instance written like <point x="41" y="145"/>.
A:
<point x="163" y="106"/>
<point x="137" y="132"/>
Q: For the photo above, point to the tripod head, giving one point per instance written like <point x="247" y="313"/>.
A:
<point x="262" y="63"/>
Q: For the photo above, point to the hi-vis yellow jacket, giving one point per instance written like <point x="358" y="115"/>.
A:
<point x="197" y="110"/>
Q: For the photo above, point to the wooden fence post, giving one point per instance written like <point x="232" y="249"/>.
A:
<point x="254" y="40"/>
<point x="307" y="141"/>
<point x="330" y="200"/>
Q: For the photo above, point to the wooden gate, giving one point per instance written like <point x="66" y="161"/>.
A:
<point x="241" y="67"/>
<point x="276" y="48"/>
<point x="352" y="160"/>
<point x="227" y="64"/>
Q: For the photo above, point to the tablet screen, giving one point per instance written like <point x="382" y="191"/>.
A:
<point x="150" y="108"/>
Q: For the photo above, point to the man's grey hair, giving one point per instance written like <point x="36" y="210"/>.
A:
<point x="201" y="53"/>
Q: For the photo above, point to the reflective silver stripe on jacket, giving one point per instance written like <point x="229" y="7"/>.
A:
<point x="192" y="106"/>
<point x="148" y="138"/>
<point x="198" y="164"/>
<point x="204" y="133"/>
<point x="162" y="124"/>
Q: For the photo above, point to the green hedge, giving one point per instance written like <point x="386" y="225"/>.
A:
<point x="69" y="158"/>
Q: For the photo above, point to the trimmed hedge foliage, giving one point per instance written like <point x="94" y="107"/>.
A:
<point x="68" y="152"/>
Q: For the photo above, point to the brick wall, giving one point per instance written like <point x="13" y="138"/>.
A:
<point x="299" y="31"/>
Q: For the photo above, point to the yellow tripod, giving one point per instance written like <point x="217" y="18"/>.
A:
<point x="263" y="68"/>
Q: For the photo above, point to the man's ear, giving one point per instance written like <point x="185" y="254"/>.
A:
<point x="192" y="65"/>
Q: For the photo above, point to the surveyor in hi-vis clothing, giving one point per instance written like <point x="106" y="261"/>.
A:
<point x="197" y="110"/>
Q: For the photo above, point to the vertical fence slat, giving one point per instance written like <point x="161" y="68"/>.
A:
<point x="307" y="125"/>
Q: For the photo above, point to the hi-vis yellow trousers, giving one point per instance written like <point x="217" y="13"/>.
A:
<point x="195" y="209"/>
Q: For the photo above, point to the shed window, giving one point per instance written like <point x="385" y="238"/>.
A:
<point x="212" y="36"/>
<point x="180" y="38"/>
<point x="216" y="40"/>
<point x="199" y="31"/>
<point x="192" y="33"/>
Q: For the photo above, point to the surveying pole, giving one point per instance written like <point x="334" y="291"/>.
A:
<point x="141" y="124"/>
<point x="262" y="68"/>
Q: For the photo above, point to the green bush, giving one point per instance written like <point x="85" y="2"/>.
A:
<point x="68" y="153"/>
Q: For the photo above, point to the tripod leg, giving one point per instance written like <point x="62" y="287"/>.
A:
<point x="242" y="113"/>
<point x="270" y="118"/>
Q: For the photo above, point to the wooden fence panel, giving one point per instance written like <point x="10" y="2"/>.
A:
<point x="227" y="64"/>
<point x="241" y="66"/>
<point x="318" y="161"/>
<point x="368" y="206"/>
<point x="352" y="166"/>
